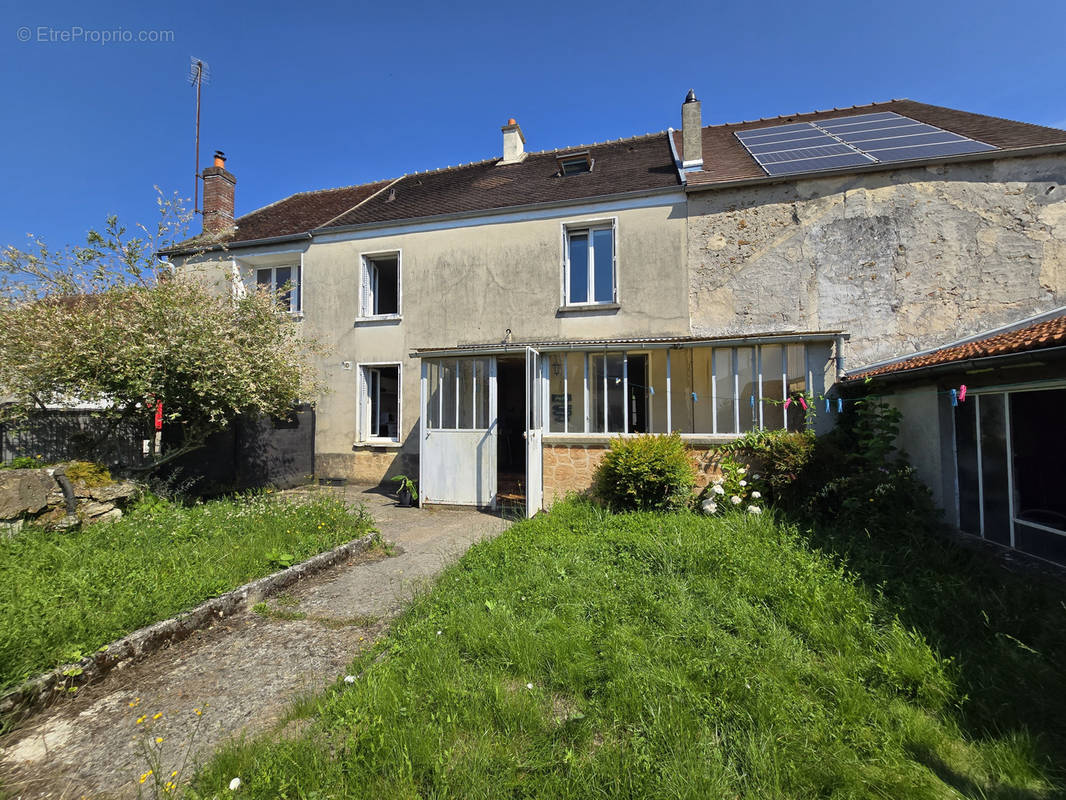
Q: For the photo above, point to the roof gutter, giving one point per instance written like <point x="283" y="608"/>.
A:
<point x="222" y="246"/>
<point x="987" y="155"/>
<point x="616" y="346"/>
<point x="494" y="212"/>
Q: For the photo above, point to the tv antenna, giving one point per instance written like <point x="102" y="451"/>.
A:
<point x="199" y="74"/>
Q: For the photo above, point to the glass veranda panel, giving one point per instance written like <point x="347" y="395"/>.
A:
<point x="657" y="421"/>
<point x="748" y="394"/>
<point x="466" y="393"/>
<point x="724" y="390"/>
<point x="557" y="391"/>
<point x="773" y="386"/>
<point x="575" y="392"/>
<point x="481" y="393"/>
<point x="681" y="391"/>
<point x="433" y="394"/>
<point x="796" y="366"/>
<point x="597" y="375"/>
<point x="702" y="405"/>
<point x="616" y="399"/>
<point x="448" y="384"/>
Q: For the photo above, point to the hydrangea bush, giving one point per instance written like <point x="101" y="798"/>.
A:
<point x="735" y="489"/>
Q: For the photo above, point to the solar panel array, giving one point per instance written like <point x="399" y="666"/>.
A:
<point x="883" y="137"/>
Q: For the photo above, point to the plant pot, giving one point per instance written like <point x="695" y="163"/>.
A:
<point x="404" y="496"/>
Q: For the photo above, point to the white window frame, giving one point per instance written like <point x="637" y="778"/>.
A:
<point x="297" y="270"/>
<point x="367" y="285"/>
<point x="587" y="228"/>
<point x="363" y="426"/>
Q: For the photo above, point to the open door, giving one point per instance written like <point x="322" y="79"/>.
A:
<point x="534" y="433"/>
<point x="457" y="458"/>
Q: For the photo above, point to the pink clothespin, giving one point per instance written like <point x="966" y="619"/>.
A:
<point x="962" y="393"/>
<point x="788" y="402"/>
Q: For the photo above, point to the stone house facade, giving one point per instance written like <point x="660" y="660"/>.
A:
<point x="492" y="325"/>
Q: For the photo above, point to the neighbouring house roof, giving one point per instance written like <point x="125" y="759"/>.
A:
<point x="638" y="164"/>
<point x="726" y="160"/>
<point x="1049" y="332"/>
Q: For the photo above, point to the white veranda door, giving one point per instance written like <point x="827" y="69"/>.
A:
<point x="534" y="433"/>
<point x="457" y="454"/>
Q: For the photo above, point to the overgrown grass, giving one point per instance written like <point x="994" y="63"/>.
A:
<point x="581" y="654"/>
<point x="62" y="596"/>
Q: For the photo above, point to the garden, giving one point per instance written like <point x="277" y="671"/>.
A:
<point x="800" y="627"/>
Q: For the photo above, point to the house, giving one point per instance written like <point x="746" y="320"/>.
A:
<point x="491" y="325"/>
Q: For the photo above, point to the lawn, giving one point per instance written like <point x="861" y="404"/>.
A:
<point x="582" y="654"/>
<point x="63" y="596"/>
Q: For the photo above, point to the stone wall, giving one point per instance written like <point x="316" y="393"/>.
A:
<point x="36" y="496"/>
<point x="901" y="260"/>
<point x="571" y="467"/>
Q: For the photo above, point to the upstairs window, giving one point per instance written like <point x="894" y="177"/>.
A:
<point x="381" y="285"/>
<point x="590" y="265"/>
<point x="283" y="280"/>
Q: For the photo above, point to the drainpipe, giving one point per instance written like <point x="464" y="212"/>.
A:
<point x="840" y="339"/>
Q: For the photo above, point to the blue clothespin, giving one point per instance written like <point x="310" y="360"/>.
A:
<point x="753" y="401"/>
<point x="651" y="390"/>
<point x="827" y="405"/>
<point x="840" y="405"/>
<point x="695" y="397"/>
<point x="954" y="397"/>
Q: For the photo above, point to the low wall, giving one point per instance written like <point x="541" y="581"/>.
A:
<point x="571" y="467"/>
<point x="36" y="496"/>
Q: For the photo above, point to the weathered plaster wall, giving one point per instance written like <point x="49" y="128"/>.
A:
<point x="468" y="286"/>
<point x="902" y="261"/>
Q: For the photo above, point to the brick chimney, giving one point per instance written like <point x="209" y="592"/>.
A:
<point x="218" y="196"/>
<point x="691" y="133"/>
<point x="514" y="142"/>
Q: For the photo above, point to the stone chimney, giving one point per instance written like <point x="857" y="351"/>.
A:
<point x="514" y="142"/>
<point x="691" y="133"/>
<point x="218" y="196"/>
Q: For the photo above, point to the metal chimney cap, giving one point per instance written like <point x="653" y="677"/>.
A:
<point x="691" y="96"/>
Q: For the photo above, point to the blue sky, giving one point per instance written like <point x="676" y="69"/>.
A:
<point x="307" y="95"/>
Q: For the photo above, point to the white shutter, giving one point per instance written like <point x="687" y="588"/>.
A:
<point x="362" y="432"/>
<point x="364" y="292"/>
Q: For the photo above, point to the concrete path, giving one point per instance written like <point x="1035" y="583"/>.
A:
<point x="242" y="673"/>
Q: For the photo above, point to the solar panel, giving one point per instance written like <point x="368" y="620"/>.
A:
<point x="881" y="137"/>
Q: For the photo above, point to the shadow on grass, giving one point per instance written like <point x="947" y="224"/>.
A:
<point x="1004" y="631"/>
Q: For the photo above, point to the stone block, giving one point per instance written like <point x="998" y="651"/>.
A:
<point x="23" y="491"/>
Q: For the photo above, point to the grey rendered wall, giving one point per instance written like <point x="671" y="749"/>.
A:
<point x="468" y="286"/>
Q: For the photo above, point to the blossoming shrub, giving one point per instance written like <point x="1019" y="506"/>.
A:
<point x="733" y="490"/>
<point x="645" y="473"/>
<point x="783" y="458"/>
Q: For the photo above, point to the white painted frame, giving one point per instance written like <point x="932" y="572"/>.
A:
<point x="366" y="291"/>
<point x="587" y="227"/>
<point x="298" y="283"/>
<point x="363" y="426"/>
<point x="976" y="394"/>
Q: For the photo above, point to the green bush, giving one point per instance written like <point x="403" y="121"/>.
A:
<point x="780" y="459"/>
<point x="645" y="473"/>
<point x="24" y="462"/>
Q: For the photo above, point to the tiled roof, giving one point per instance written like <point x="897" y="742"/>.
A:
<point x="626" y="165"/>
<point x="1040" y="335"/>
<point x="298" y="213"/>
<point x="725" y="159"/>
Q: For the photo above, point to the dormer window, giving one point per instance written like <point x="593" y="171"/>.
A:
<point x="574" y="163"/>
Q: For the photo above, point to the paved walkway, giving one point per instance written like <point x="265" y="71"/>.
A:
<point x="245" y="670"/>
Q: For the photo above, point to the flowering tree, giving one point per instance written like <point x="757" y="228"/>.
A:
<point x="112" y="325"/>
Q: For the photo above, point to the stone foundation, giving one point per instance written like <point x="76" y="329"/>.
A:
<point x="35" y="496"/>
<point x="571" y="467"/>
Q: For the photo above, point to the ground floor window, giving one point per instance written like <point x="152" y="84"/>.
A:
<point x="695" y="390"/>
<point x="380" y="402"/>
<point x="1010" y="469"/>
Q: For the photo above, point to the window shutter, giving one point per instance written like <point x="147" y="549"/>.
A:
<point x="364" y="292"/>
<point x="363" y="422"/>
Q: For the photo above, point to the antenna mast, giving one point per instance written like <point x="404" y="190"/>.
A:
<point x="199" y="74"/>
